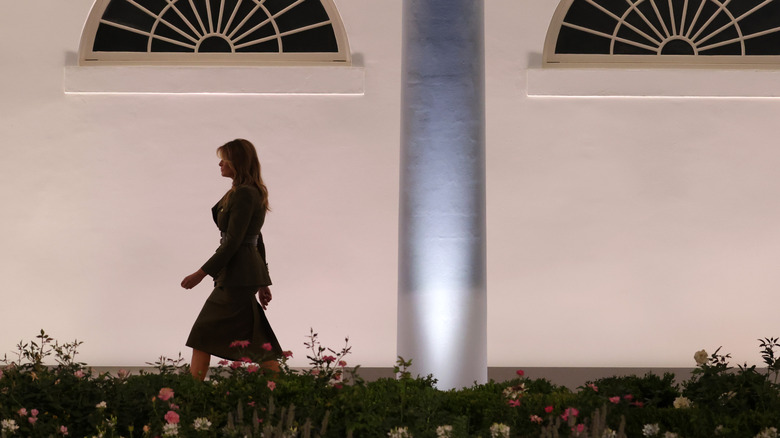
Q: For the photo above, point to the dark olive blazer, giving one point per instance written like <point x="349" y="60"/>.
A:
<point x="236" y="263"/>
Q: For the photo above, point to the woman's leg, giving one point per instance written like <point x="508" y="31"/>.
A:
<point x="200" y="364"/>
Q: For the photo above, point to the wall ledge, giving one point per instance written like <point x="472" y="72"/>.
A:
<point x="654" y="82"/>
<point x="210" y="80"/>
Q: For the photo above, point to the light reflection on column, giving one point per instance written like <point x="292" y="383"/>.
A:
<point x="442" y="297"/>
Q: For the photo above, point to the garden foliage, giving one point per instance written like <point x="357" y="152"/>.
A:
<point x="45" y="392"/>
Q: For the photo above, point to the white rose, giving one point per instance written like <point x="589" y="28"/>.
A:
<point x="682" y="402"/>
<point x="701" y="357"/>
<point x="651" y="430"/>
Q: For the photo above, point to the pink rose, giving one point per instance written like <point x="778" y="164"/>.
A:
<point x="175" y="407"/>
<point x="639" y="404"/>
<point x="615" y="399"/>
<point x="315" y="372"/>
<point x="267" y="347"/>
<point x="342" y="363"/>
<point x="328" y="359"/>
<point x="32" y="420"/>
<point x="548" y="409"/>
<point x="235" y="365"/>
<point x="628" y="397"/>
<point x="514" y="403"/>
<point x="165" y="394"/>
<point x="287" y="354"/>
<point x="79" y="374"/>
<point x="251" y="404"/>
<point x="22" y="412"/>
<point x="172" y="417"/>
<point x="536" y="419"/>
<point x="252" y="368"/>
<point x="223" y="362"/>
<point x="246" y="359"/>
<point x="520" y="373"/>
<point x="578" y="428"/>
<point x="271" y="385"/>
<point x="241" y="344"/>
<point x="593" y="387"/>
<point x="34" y="412"/>
<point x="569" y="412"/>
<point x="63" y="430"/>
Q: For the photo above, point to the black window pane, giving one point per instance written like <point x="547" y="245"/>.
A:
<point x="628" y="34"/>
<point x="729" y="49"/>
<point x="154" y="6"/>
<point x="319" y="39"/>
<point x="737" y="8"/>
<point x="230" y="6"/>
<point x="646" y="14"/>
<point x="275" y="6"/>
<point x="576" y="41"/>
<point x="266" y="47"/>
<point x="164" y="46"/>
<point x="215" y="44"/>
<point x="307" y="13"/>
<point x="584" y="14"/>
<point x="639" y="23"/>
<point x="629" y="49"/>
<point x="765" y="19"/>
<point x="256" y="19"/>
<point x="259" y="34"/>
<point x="112" y="39"/>
<point x="768" y="44"/>
<point x="176" y="21"/>
<point x="122" y="12"/>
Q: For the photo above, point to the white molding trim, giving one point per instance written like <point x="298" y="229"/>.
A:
<point x="207" y="80"/>
<point x="652" y="82"/>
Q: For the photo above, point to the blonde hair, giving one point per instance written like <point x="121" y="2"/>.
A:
<point x="241" y="156"/>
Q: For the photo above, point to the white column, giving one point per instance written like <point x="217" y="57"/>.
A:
<point x="442" y="308"/>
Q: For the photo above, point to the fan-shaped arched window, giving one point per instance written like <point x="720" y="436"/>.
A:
<point x="214" y="32"/>
<point x="662" y="32"/>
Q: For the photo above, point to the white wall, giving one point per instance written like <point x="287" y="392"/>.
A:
<point x="624" y="231"/>
<point x="621" y="232"/>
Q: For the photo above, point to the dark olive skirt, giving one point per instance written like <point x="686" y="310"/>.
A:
<point x="233" y="314"/>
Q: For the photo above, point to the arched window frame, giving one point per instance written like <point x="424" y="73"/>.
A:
<point x="553" y="59"/>
<point x="87" y="56"/>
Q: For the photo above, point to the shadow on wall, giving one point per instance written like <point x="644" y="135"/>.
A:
<point x="71" y="59"/>
<point x="535" y="60"/>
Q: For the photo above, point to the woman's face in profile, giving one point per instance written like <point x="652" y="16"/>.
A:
<point x="225" y="169"/>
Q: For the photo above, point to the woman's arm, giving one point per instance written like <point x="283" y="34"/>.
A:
<point x="241" y="205"/>
<point x="264" y="296"/>
<point x="193" y="279"/>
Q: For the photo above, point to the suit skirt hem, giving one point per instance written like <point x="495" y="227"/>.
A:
<point x="233" y="314"/>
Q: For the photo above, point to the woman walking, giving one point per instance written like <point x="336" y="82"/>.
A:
<point x="231" y="313"/>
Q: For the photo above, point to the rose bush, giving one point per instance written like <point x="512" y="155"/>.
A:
<point x="242" y="398"/>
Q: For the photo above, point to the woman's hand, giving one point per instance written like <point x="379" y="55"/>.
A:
<point x="264" y="296"/>
<point x="193" y="279"/>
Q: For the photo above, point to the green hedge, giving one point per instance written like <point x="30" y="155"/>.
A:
<point x="330" y="400"/>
